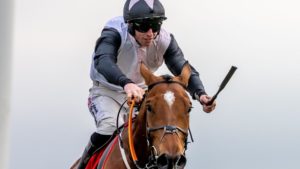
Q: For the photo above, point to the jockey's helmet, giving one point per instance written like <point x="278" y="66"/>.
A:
<point x="143" y="9"/>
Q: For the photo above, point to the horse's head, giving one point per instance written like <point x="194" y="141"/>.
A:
<point x="166" y="110"/>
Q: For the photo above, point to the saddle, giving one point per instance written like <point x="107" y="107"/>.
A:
<point x="99" y="155"/>
<point x="98" y="160"/>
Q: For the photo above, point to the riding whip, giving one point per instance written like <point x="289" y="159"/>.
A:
<point x="223" y="84"/>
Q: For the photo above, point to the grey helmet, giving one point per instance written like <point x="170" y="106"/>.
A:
<point x="143" y="9"/>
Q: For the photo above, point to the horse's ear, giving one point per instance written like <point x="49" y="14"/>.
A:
<point x="147" y="74"/>
<point x="185" y="74"/>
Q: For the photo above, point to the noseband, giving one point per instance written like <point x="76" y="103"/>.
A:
<point x="167" y="130"/>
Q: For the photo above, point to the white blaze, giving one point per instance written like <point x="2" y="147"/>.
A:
<point x="169" y="98"/>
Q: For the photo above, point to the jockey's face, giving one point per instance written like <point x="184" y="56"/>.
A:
<point x="145" y="39"/>
<point x="146" y="30"/>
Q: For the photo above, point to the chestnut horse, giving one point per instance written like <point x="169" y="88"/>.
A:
<point x="161" y="128"/>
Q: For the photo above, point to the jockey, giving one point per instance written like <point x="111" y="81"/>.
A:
<point x="124" y="43"/>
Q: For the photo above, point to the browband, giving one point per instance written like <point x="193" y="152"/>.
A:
<point x="167" y="79"/>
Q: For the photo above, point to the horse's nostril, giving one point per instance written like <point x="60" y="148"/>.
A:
<point x="162" y="161"/>
<point x="165" y="161"/>
<point x="181" y="161"/>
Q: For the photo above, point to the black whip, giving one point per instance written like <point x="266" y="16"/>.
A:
<point x="223" y="84"/>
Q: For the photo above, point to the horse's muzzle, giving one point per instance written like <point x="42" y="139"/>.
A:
<point x="166" y="161"/>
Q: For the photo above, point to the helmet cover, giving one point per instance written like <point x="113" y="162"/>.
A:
<point x="143" y="9"/>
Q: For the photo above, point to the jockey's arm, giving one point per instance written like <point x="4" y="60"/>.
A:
<point x="175" y="61"/>
<point x="106" y="52"/>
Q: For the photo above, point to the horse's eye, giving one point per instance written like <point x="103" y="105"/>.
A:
<point x="149" y="109"/>
<point x="189" y="110"/>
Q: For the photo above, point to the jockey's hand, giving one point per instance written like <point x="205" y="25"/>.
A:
<point x="134" y="91"/>
<point x="204" y="99"/>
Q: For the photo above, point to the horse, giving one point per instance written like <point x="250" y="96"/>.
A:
<point x="160" y="130"/>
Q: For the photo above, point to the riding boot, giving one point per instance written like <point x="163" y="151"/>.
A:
<point x="96" y="141"/>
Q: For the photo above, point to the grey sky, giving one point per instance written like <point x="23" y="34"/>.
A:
<point x="255" y="126"/>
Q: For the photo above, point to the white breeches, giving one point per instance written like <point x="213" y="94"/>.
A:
<point x="104" y="105"/>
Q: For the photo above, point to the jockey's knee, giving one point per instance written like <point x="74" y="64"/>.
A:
<point x="106" y="126"/>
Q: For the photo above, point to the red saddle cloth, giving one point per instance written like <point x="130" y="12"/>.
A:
<point x="95" y="159"/>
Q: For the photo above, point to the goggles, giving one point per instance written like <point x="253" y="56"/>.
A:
<point x="143" y="26"/>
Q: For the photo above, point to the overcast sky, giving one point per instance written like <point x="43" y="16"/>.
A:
<point x="255" y="126"/>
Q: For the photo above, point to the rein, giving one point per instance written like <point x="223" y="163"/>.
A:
<point x="130" y="137"/>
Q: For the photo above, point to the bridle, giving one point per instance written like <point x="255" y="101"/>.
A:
<point x="167" y="129"/>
